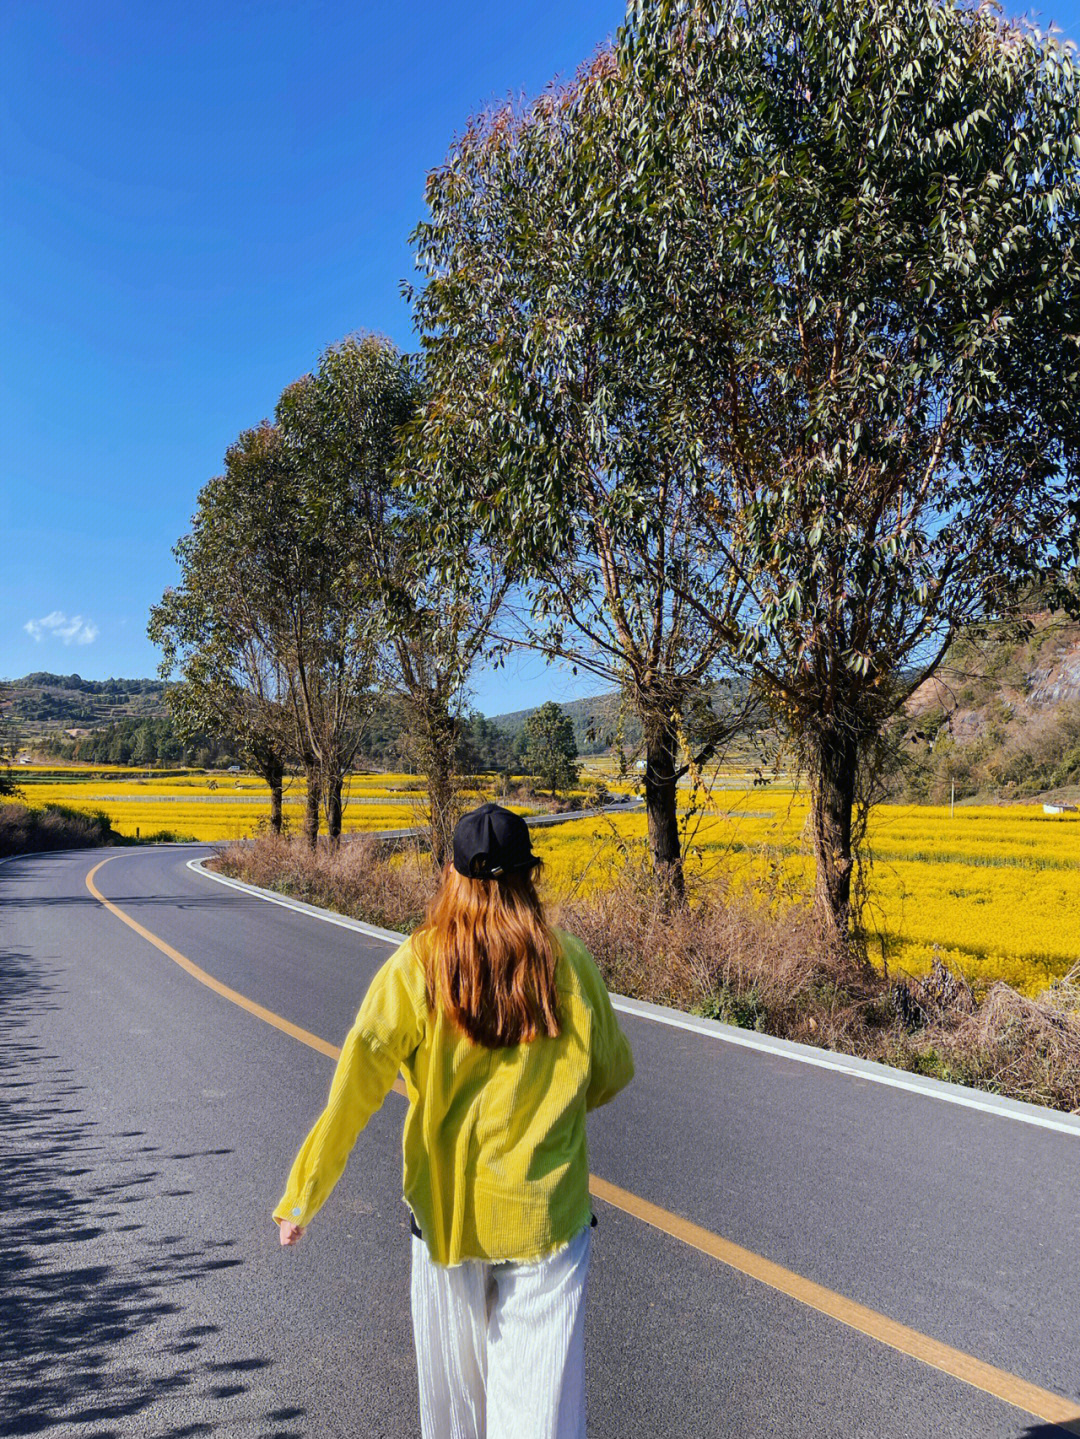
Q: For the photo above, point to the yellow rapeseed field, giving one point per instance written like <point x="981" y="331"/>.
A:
<point x="223" y="807"/>
<point x="994" y="889"/>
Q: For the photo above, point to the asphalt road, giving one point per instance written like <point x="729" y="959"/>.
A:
<point x="147" y="1126"/>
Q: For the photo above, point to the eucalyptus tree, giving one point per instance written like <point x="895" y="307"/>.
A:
<point x="429" y="623"/>
<point x="274" y="624"/>
<point x="870" y="217"/>
<point x="433" y="618"/>
<point x="555" y="423"/>
<point x="338" y="427"/>
<point x="440" y="626"/>
<point x="217" y="628"/>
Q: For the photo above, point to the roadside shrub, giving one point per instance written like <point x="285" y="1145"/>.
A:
<point x="361" y="878"/>
<point x="25" y="830"/>
<point x="731" y="1006"/>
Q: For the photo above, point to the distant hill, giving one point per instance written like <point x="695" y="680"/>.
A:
<point x="113" y="721"/>
<point x="595" y="723"/>
<point x="126" y="721"/>
<point x="42" y="702"/>
<point x="600" y="722"/>
<point x="1001" y="718"/>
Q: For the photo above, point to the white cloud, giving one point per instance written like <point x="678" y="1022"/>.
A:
<point x="73" y="631"/>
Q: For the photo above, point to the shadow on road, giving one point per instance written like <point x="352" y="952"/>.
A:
<point x="92" y="1318"/>
<point x="134" y="901"/>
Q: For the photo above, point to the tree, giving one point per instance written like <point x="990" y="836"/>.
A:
<point x="483" y="747"/>
<point x="869" y="213"/>
<point x="435" y="617"/>
<point x="143" y="749"/>
<point x="556" y="422"/>
<point x="549" y="748"/>
<point x="440" y="626"/>
<point x="339" y="428"/>
<point x="219" y="628"/>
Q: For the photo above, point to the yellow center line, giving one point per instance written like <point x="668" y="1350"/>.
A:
<point x="1042" y="1403"/>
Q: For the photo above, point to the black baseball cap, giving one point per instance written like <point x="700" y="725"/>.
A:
<point x="490" y="841"/>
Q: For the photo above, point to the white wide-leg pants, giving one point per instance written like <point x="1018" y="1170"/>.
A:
<point x="500" y="1348"/>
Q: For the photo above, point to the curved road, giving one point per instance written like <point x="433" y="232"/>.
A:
<point x="147" y="1124"/>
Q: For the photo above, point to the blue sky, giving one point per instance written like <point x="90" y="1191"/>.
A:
<point x="195" y="201"/>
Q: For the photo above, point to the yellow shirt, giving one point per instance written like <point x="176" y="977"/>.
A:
<point x="496" y="1164"/>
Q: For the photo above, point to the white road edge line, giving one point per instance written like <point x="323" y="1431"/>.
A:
<point x="849" y="1064"/>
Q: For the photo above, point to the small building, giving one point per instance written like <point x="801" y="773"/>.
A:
<point x="1059" y="809"/>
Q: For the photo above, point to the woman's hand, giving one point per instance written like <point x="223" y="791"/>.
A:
<point x="289" y="1233"/>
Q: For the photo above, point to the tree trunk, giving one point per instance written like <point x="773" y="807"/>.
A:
<point x="273" y="772"/>
<point x="440" y="755"/>
<point x="832" y="801"/>
<point x="311" y="810"/>
<point x="275" y="804"/>
<point x="661" y="793"/>
<point x="333" y="810"/>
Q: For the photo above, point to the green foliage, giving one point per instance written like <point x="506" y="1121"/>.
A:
<point x="556" y="422"/>
<point x="142" y="742"/>
<point x="116" y="691"/>
<point x="953" y="1069"/>
<point x="276" y="627"/>
<point x="42" y="701"/>
<point x="761" y="339"/>
<point x="869" y="214"/>
<point x="220" y="629"/>
<point x="548" y="747"/>
<point x="897" y="294"/>
<point x="483" y="747"/>
<point x="742" y="1007"/>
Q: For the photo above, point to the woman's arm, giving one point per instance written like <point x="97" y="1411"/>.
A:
<point x="611" y="1062"/>
<point x="388" y="1028"/>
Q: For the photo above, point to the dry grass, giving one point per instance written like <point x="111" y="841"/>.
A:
<point x="722" y="945"/>
<point x="1005" y="1042"/>
<point x="360" y="879"/>
<point x="758" y="962"/>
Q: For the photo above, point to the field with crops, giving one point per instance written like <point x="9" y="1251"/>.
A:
<point x="214" y="807"/>
<point x="995" y="890"/>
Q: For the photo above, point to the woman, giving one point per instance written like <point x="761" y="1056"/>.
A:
<point x="505" y="1034"/>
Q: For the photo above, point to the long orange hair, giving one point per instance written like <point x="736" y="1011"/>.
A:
<point x="489" y="958"/>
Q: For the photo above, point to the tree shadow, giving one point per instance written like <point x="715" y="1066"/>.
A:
<point x="92" y="1315"/>
<point x="231" y="899"/>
